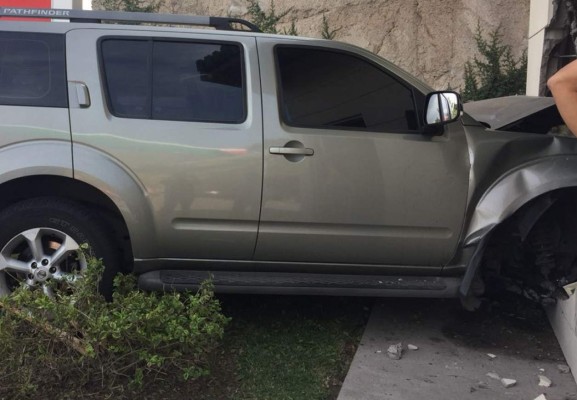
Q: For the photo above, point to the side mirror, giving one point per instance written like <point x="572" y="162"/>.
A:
<point x="442" y="108"/>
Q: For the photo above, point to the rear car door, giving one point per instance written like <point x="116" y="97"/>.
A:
<point x="350" y="177"/>
<point x="181" y="112"/>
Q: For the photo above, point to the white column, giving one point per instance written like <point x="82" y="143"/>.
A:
<point x="540" y="16"/>
<point x="72" y="4"/>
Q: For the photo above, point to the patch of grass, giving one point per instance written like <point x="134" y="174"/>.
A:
<point x="293" y="347"/>
<point x="278" y="347"/>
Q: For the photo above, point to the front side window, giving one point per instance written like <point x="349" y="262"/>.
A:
<point x="178" y="81"/>
<point x="334" y="90"/>
<point x="32" y="70"/>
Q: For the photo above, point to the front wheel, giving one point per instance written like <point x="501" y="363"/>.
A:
<point x="40" y="242"/>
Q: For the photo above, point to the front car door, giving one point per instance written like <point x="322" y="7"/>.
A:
<point x="350" y="177"/>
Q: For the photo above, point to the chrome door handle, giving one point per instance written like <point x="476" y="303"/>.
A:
<point x="82" y="94"/>
<point x="292" y="151"/>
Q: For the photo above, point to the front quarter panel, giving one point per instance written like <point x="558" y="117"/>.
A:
<point x="509" y="170"/>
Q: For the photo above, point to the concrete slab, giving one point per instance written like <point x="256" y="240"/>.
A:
<point x="452" y="361"/>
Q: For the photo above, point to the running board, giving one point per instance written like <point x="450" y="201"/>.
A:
<point x="302" y="284"/>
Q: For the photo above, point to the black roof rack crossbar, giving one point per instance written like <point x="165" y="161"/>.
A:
<point x="221" y="23"/>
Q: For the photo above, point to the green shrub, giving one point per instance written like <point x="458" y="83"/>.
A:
<point x="266" y="21"/>
<point x="326" y="31"/>
<point x="77" y="342"/>
<point x="497" y="73"/>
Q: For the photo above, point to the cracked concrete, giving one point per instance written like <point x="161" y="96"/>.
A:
<point x="452" y="361"/>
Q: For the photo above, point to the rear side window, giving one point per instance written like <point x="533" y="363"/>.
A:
<point x="178" y="81"/>
<point x="32" y="70"/>
<point x="335" y="90"/>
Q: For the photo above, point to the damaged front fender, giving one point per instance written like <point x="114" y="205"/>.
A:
<point x="517" y="188"/>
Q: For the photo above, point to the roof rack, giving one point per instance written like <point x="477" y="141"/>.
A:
<point x="221" y="23"/>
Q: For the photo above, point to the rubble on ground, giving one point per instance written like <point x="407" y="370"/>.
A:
<point x="493" y="375"/>
<point x="508" y="382"/>
<point x="563" y="368"/>
<point x="395" y="351"/>
<point x="544" y="381"/>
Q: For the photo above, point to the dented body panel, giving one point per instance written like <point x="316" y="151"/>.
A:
<point x="511" y="174"/>
<point x="509" y="169"/>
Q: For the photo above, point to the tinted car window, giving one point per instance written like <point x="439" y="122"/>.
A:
<point x="128" y="68"/>
<point x="329" y="89"/>
<point x="32" y="70"/>
<point x="180" y="81"/>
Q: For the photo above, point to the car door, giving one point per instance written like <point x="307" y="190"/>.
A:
<point x="349" y="176"/>
<point x="181" y="114"/>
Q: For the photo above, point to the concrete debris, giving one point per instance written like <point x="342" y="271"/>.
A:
<point x="491" y="356"/>
<point x="412" y="347"/>
<point x="508" y="382"/>
<point x="563" y="368"/>
<point x="493" y="375"/>
<point x="544" y="381"/>
<point x="395" y="351"/>
<point x="541" y="397"/>
<point x="570" y="288"/>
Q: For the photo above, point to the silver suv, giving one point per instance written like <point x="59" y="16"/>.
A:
<point x="274" y="164"/>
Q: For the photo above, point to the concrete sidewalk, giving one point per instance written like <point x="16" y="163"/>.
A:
<point x="452" y="360"/>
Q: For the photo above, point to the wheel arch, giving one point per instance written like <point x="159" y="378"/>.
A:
<point x="517" y="190"/>
<point x="530" y="190"/>
<point x="27" y="187"/>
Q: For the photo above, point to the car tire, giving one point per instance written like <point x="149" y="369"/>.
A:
<point x="40" y="239"/>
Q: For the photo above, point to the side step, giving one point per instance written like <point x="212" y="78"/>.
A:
<point x="302" y="284"/>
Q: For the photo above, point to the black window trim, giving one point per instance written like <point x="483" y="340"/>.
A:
<point x="153" y="39"/>
<point x="280" y="95"/>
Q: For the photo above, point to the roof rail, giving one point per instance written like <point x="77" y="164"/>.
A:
<point x="221" y="23"/>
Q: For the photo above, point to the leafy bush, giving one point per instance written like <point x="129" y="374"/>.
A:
<point x="267" y="21"/>
<point x="497" y="73"/>
<point x="77" y="342"/>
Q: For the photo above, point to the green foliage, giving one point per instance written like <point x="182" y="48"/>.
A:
<point x="149" y="6"/>
<point x="292" y="31"/>
<point x="293" y="348"/>
<point x="267" y="21"/>
<point x="497" y="73"/>
<point x="78" y="342"/>
<point x="326" y="31"/>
